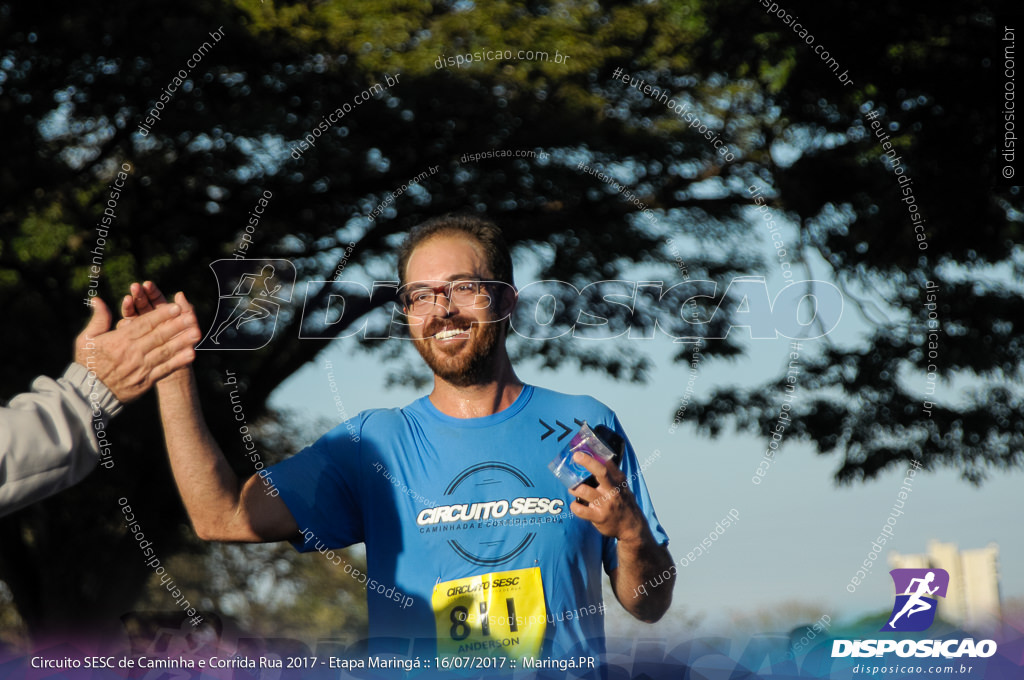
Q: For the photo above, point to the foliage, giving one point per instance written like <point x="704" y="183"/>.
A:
<point x="922" y="73"/>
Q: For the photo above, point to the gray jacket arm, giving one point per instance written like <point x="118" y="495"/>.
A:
<point x="47" y="436"/>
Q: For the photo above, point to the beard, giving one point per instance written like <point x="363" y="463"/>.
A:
<point x="465" y="363"/>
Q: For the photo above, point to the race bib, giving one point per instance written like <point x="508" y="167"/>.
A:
<point x="496" y="614"/>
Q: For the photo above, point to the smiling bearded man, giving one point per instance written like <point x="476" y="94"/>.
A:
<point x="469" y="357"/>
<point x="464" y="524"/>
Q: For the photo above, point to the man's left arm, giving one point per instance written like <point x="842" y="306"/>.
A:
<point x="613" y="510"/>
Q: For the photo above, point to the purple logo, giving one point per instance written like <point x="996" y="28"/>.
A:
<point x="916" y="590"/>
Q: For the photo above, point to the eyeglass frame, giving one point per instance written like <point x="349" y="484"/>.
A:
<point x="482" y="286"/>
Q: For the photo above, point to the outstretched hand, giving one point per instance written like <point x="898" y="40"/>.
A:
<point x="142" y="299"/>
<point x="146" y="346"/>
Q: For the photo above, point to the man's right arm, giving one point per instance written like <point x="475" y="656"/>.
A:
<point x="221" y="507"/>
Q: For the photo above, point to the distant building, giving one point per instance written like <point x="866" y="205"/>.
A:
<point x="973" y="598"/>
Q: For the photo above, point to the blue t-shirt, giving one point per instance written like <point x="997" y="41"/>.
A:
<point x="437" y="498"/>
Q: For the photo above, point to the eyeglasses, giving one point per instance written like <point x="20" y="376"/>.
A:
<point x="420" y="296"/>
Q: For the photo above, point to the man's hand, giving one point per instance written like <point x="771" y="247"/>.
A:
<point x="611" y="506"/>
<point x="146" y="298"/>
<point x="142" y="299"/>
<point x="131" y="358"/>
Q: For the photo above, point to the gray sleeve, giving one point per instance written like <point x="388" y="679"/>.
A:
<point x="47" y="436"/>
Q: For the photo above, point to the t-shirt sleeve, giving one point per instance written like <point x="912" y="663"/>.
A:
<point x="320" y="485"/>
<point x="635" y="479"/>
<point x="48" y="437"/>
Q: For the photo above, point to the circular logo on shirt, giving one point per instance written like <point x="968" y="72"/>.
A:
<point x="497" y="498"/>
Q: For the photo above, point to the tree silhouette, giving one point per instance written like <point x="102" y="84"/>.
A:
<point x="938" y="377"/>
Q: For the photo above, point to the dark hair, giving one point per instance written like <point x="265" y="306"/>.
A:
<point x="485" y="232"/>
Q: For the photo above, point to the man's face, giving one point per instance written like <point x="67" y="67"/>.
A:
<point x="465" y="357"/>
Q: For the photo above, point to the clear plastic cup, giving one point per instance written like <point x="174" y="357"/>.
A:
<point x="568" y="471"/>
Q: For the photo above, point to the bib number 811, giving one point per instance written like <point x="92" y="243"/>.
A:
<point x="470" y="618"/>
<point x="459" y="616"/>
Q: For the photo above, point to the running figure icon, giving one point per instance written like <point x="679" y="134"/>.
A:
<point x="250" y="308"/>
<point x="250" y="298"/>
<point x="915" y="603"/>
